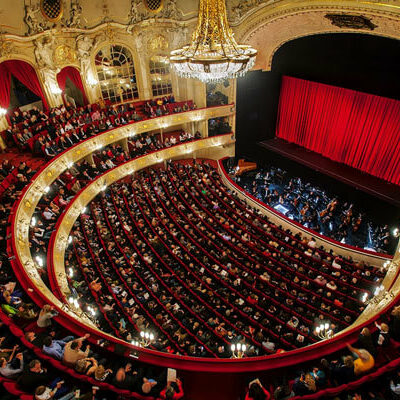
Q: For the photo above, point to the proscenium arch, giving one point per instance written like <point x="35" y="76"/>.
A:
<point x="356" y="61"/>
<point x="271" y="26"/>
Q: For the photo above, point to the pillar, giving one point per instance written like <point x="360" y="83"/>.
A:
<point x="50" y="85"/>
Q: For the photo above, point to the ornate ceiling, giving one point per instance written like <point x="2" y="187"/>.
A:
<point x="264" y="24"/>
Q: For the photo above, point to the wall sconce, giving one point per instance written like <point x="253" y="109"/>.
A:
<point x="56" y="90"/>
<point x="323" y="331"/>
<point x="238" y="350"/>
<point x="92" y="82"/>
<point x="146" y="339"/>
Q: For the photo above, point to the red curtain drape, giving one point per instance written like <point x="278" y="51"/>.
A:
<point x="26" y="74"/>
<point x="357" y="129"/>
<point x="75" y="77"/>
<point x="5" y="86"/>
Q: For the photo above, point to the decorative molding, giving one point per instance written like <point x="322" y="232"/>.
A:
<point x="7" y="48"/>
<point x="348" y="21"/>
<point x="268" y="14"/>
<point x="242" y="9"/>
<point x="139" y="13"/>
<point x="158" y="43"/>
<point x="64" y="54"/>
<point x="75" y="13"/>
<point x="31" y="20"/>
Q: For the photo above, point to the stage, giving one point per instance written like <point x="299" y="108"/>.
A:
<point x="348" y="175"/>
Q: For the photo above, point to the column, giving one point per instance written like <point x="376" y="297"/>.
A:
<point x="124" y="144"/>
<point x="89" y="159"/>
<point x="50" y="86"/>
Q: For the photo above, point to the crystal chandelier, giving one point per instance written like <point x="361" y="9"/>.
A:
<point x="213" y="55"/>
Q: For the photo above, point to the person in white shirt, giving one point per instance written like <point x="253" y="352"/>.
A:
<point x="395" y="386"/>
<point x="46" y="393"/>
<point x="47" y="214"/>
<point x="312" y="243"/>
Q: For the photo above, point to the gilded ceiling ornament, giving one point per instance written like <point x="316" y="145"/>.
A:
<point x="238" y="11"/>
<point x="31" y="20"/>
<point x="7" y="48"/>
<point x="135" y="15"/>
<point x="75" y="13"/>
<point x="351" y="21"/>
<point x="158" y="43"/>
<point x="110" y="33"/>
<point x="170" y="11"/>
<point x="64" y="54"/>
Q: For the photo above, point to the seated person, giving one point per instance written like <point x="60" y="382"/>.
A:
<point x="257" y="391"/>
<point x="304" y="385"/>
<point x="32" y="377"/>
<point x="55" y="390"/>
<point x="55" y="348"/>
<point x="73" y="352"/>
<point x="7" y="370"/>
<point x="124" y="378"/>
<point x="86" y="366"/>
<point x="173" y="391"/>
<point x="364" y="361"/>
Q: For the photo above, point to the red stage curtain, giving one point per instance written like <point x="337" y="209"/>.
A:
<point x="357" y="129"/>
<point x="27" y="76"/>
<point x="75" y="77"/>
